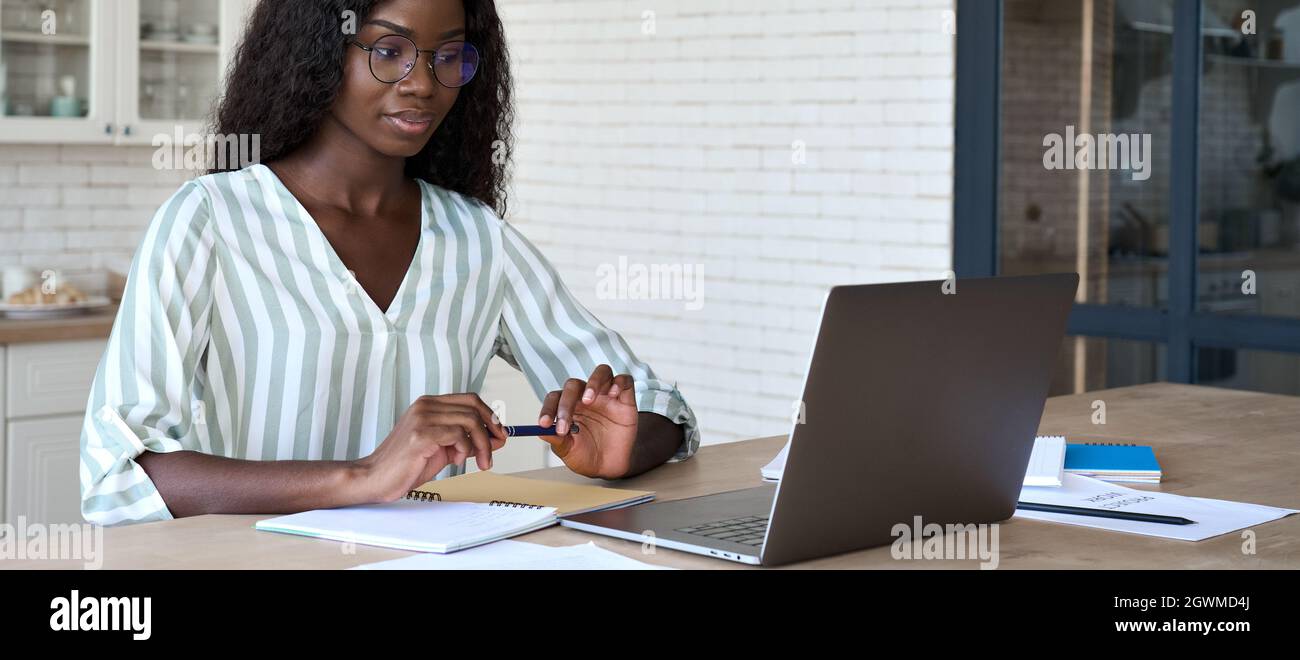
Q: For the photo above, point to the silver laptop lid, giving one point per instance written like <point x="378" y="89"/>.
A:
<point x="917" y="402"/>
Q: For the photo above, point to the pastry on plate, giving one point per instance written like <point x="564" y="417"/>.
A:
<point x="64" y="295"/>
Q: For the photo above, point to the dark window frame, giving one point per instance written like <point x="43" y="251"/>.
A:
<point x="977" y="167"/>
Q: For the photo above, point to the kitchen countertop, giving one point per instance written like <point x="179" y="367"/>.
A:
<point x="95" y="325"/>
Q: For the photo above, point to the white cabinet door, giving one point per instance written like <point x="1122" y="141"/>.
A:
<point x="36" y="54"/>
<point x="168" y="84"/>
<point x="52" y="378"/>
<point x="132" y="89"/>
<point x="42" y="460"/>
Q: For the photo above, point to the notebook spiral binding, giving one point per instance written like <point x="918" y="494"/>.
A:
<point x="521" y="505"/>
<point x="424" y="496"/>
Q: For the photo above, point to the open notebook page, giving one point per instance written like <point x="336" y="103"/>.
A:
<point x="412" y="525"/>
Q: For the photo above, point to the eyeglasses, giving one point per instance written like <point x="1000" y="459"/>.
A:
<point x="393" y="57"/>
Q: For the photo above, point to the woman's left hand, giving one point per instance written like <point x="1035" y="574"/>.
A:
<point x="604" y="407"/>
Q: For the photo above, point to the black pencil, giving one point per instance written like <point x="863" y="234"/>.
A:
<point x="1102" y="513"/>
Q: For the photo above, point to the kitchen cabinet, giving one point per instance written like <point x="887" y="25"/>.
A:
<point x="43" y="459"/>
<point x="51" y="378"/>
<point x="43" y="392"/>
<point x="112" y="71"/>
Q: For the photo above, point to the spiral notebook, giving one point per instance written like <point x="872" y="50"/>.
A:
<point x="415" y="525"/>
<point x="493" y="488"/>
<point x="1113" y="461"/>
<point x="454" y="514"/>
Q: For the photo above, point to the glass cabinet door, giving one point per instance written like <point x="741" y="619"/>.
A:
<point x="116" y="71"/>
<point x="177" y="51"/>
<point x="53" y="59"/>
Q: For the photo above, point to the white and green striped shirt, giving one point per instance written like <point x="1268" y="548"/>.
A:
<point x="242" y="334"/>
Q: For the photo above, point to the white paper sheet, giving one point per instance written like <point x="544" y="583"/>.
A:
<point x="772" y="471"/>
<point x="517" y="555"/>
<point x="413" y="525"/>
<point x="1213" y="517"/>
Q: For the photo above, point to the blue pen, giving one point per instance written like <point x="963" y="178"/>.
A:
<point x="522" y="430"/>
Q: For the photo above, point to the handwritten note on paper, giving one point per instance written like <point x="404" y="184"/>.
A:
<point x="1213" y="517"/>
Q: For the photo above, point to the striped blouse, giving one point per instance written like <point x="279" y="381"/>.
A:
<point x="242" y="334"/>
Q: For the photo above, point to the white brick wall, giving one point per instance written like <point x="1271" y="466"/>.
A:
<point x="77" y="207"/>
<point x="675" y="148"/>
<point x="671" y="148"/>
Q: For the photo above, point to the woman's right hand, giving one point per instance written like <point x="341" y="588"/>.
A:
<point x="436" y="431"/>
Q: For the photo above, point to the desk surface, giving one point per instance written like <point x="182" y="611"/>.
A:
<point x="1210" y="442"/>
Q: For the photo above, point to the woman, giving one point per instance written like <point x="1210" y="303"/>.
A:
<point x="309" y="332"/>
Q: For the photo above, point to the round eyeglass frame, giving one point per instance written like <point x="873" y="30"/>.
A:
<point x="370" y="59"/>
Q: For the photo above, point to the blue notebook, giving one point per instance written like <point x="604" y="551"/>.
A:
<point x="1113" y="462"/>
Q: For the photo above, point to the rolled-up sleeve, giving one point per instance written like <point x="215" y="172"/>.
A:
<point x="548" y="334"/>
<point x="143" y="397"/>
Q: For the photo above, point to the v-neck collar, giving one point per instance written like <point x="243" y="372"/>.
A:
<point x="336" y="262"/>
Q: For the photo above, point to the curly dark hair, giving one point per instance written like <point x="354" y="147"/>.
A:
<point x="287" y="72"/>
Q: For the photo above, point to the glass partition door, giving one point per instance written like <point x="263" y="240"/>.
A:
<point x="1153" y="146"/>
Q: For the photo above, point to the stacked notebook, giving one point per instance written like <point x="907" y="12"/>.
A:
<point x="1046" y="462"/>
<point x="1052" y="458"/>
<point x="1113" y="462"/>
<point x="456" y="513"/>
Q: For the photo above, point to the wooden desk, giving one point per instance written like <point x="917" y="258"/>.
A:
<point x="1211" y="443"/>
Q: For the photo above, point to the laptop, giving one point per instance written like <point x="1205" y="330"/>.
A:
<point x="918" y="401"/>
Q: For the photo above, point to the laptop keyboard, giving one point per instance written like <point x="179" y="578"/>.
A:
<point x="749" y="530"/>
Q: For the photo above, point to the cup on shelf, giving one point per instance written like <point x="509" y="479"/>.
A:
<point x="201" y="33"/>
<point x="16" y="278"/>
<point x="66" y="104"/>
<point x="165" y="32"/>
